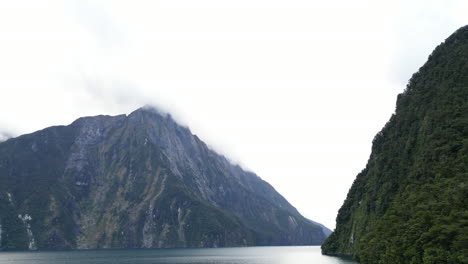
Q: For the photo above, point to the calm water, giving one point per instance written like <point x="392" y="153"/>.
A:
<point x="252" y="255"/>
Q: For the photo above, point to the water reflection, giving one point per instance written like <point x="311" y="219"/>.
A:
<point x="252" y="255"/>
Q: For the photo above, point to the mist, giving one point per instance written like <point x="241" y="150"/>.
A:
<point x="292" y="90"/>
<point x="5" y="135"/>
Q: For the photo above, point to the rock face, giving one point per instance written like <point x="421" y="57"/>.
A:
<point x="136" y="181"/>
<point x="410" y="203"/>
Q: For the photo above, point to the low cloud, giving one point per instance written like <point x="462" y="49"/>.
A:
<point x="5" y="135"/>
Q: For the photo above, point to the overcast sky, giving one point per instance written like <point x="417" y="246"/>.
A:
<point x="292" y="90"/>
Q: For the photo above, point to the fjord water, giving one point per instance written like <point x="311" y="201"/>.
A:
<point x="250" y="255"/>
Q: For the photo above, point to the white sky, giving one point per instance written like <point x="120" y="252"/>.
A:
<point x="293" y="90"/>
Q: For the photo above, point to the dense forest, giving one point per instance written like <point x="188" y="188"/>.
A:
<point x="410" y="203"/>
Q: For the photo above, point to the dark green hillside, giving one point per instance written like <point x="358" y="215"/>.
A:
<point x="410" y="203"/>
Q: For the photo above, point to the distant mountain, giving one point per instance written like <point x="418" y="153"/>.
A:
<point x="136" y="181"/>
<point x="410" y="203"/>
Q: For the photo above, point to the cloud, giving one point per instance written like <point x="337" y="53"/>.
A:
<point x="93" y="17"/>
<point x="113" y="92"/>
<point x="259" y="80"/>
<point x="412" y="43"/>
<point x="5" y="135"/>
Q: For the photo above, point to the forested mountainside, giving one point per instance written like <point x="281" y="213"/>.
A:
<point x="410" y="203"/>
<point x="136" y="181"/>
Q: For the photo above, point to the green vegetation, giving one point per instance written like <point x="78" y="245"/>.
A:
<point x="137" y="181"/>
<point x="27" y="187"/>
<point x="410" y="204"/>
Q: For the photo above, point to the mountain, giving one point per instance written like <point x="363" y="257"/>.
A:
<point x="410" y="203"/>
<point x="136" y="181"/>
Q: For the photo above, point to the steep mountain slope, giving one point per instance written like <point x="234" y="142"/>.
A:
<point x="410" y="203"/>
<point x="136" y="181"/>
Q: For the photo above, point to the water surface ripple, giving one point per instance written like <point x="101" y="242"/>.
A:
<point x="246" y="255"/>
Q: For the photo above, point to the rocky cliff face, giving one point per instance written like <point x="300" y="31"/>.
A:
<point x="410" y="203"/>
<point x="136" y="181"/>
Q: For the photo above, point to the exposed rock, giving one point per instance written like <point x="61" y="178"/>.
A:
<point x="137" y="181"/>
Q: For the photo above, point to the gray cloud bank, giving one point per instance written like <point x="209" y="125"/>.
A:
<point x="274" y="89"/>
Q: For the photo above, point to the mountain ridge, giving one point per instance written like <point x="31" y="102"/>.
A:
<point x="139" y="180"/>
<point x="409" y="204"/>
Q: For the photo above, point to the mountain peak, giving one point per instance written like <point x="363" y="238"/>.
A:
<point x="137" y="181"/>
<point x="151" y="110"/>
